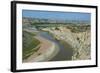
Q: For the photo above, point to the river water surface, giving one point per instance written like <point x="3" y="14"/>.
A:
<point x="65" y="50"/>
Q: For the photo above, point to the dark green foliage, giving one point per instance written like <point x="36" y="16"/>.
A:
<point x="56" y="28"/>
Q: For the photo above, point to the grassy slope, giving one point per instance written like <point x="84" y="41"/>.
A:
<point x="29" y="44"/>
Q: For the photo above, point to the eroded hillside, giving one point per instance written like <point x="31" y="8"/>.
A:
<point x="79" y="40"/>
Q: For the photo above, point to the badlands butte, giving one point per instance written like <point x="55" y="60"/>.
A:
<point x="77" y="34"/>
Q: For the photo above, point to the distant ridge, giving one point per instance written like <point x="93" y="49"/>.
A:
<point x="41" y="20"/>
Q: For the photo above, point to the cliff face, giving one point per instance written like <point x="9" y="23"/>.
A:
<point x="83" y="51"/>
<point x="80" y="41"/>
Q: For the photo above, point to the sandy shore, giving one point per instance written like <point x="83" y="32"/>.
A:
<point x="46" y="51"/>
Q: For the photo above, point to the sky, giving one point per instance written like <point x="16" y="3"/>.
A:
<point x="56" y="15"/>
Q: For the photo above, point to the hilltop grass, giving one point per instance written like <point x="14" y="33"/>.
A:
<point x="30" y="44"/>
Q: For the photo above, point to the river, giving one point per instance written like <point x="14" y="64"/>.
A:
<point x="65" y="50"/>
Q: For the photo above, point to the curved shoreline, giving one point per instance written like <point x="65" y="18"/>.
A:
<point x="47" y="51"/>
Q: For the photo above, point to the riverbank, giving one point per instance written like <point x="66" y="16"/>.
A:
<point x="47" y="50"/>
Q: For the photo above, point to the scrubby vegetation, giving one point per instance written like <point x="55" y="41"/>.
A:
<point x="79" y="28"/>
<point x="30" y="44"/>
